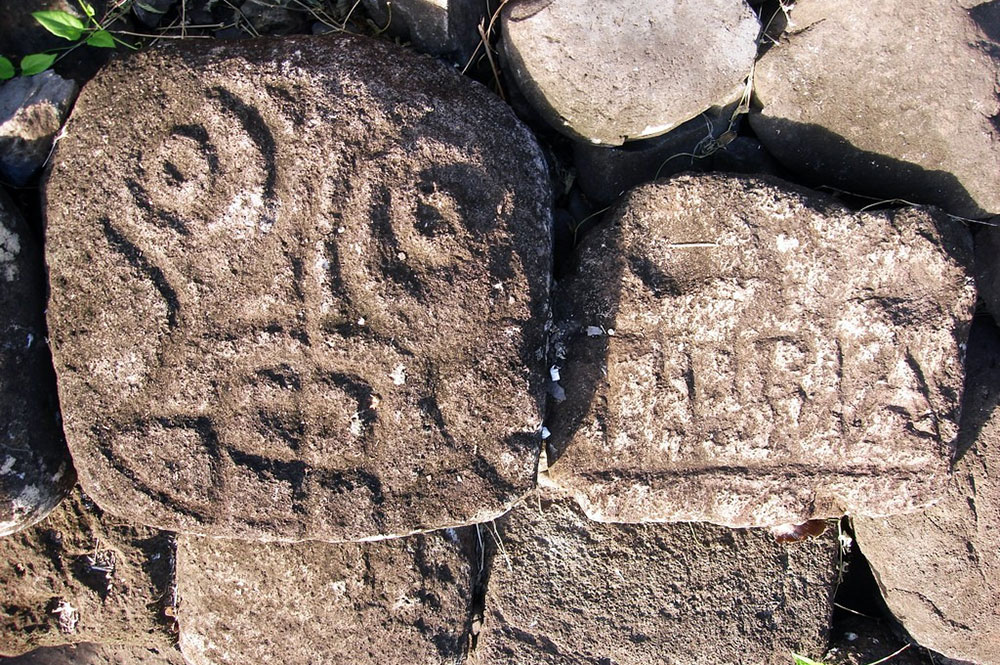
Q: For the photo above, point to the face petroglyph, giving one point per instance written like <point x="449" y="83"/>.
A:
<point x="283" y="319"/>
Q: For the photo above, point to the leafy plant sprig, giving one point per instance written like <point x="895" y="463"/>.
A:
<point x="69" y="27"/>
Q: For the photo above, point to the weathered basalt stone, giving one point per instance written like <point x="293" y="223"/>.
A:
<point x="32" y="110"/>
<point x="298" y="291"/>
<point x="80" y="575"/>
<point x="400" y="601"/>
<point x="90" y="653"/>
<point x="939" y="569"/>
<point x="608" y="71"/>
<point x="439" y="27"/>
<point x="890" y="99"/>
<point x="745" y="352"/>
<point x="564" y="589"/>
<point x="35" y="467"/>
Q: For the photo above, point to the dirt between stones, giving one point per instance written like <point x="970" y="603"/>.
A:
<point x="82" y="575"/>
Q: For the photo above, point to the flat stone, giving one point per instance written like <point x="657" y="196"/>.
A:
<point x="35" y="468"/>
<point x="567" y="590"/>
<point x="90" y="653"/>
<point x="447" y="28"/>
<point x="939" y="569"/>
<point x="749" y="353"/>
<point x="608" y="71"/>
<point x="81" y="575"/>
<point x="889" y="99"/>
<point x="32" y="109"/>
<point x="298" y="291"/>
<point x="400" y="601"/>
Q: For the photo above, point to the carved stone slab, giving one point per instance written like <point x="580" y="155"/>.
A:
<point x="396" y="602"/>
<point x="298" y="290"/>
<point x="774" y="357"/>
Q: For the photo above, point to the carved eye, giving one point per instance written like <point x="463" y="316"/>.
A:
<point x="212" y="175"/>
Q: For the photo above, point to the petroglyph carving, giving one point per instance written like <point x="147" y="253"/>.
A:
<point x="289" y="321"/>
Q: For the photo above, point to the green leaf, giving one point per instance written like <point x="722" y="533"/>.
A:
<point x="101" y="38"/>
<point x="802" y="660"/>
<point x="6" y="69"/>
<point x="87" y="8"/>
<point x="36" y="63"/>
<point x="60" y="24"/>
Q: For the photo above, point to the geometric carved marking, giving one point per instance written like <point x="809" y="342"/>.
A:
<point x="776" y="358"/>
<point x="345" y="271"/>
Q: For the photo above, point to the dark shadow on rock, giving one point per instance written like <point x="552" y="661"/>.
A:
<point x="982" y="385"/>
<point x="449" y="644"/>
<point x="486" y="549"/>
<point x="819" y="157"/>
<point x="987" y="17"/>
<point x="578" y="350"/>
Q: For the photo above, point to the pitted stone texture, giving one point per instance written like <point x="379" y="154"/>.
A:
<point x="775" y="358"/>
<point x="81" y="575"/>
<point x="91" y="653"/>
<point x="848" y="99"/>
<point x="607" y="71"/>
<point x="405" y="601"/>
<point x="939" y="569"/>
<point x="438" y="27"/>
<point x="568" y="590"/>
<point x="35" y="467"/>
<point x="298" y="291"/>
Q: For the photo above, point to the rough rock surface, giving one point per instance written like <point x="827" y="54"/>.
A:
<point x="35" y="468"/>
<point x="438" y="27"/>
<point x="80" y="575"/>
<point x="32" y="109"/>
<point x="565" y="589"/>
<point x="298" y="291"/>
<point x="892" y="99"/>
<point x="939" y="569"/>
<point x="405" y="601"/>
<point x="607" y="71"/>
<point x="774" y="357"/>
<point x="90" y="653"/>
